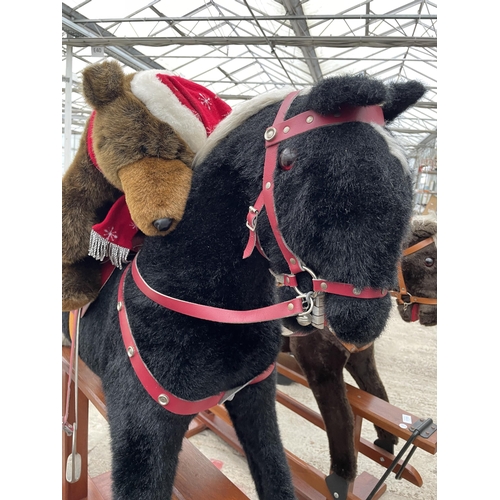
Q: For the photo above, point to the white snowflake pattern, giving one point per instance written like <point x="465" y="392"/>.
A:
<point x="132" y="225"/>
<point x="110" y="234"/>
<point x="205" y="100"/>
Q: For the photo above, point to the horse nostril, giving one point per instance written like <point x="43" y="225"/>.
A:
<point x="162" y="224"/>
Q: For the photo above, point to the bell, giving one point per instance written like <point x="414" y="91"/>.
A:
<point x="304" y="319"/>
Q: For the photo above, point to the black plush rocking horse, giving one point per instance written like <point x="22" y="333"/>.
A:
<point x="323" y="358"/>
<point x="194" y="320"/>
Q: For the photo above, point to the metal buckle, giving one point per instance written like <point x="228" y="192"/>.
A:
<point x="315" y="313"/>
<point x="252" y="210"/>
<point x="406" y="300"/>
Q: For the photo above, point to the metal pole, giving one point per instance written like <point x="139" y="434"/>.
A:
<point x="67" y="107"/>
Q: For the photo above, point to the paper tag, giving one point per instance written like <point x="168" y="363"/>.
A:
<point x="406" y="419"/>
<point x="97" y="51"/>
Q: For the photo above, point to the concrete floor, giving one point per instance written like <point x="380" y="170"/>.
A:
<point x="406" y="359"/>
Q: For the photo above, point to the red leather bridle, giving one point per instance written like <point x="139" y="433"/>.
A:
<point x="284" y="129"/>
<point x="403" y="296"/>
<point x="300" y="305"/>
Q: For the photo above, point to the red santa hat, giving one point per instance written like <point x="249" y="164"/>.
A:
<point x="190" y="109"/>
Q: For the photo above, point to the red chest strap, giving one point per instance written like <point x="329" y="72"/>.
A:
<point x="165" y="398"/>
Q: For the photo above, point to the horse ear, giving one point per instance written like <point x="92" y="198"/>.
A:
<point x="357" y="90"/>
<point x="400" y="96"/>
<point x="424" y="225"/>
<point x="102" y="83"/>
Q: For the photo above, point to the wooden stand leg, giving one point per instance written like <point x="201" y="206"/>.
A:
<point x="77" y="490"/>
<point x="365" y="482"/>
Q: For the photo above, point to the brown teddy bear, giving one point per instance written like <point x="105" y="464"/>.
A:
<point x="132" y="172"/>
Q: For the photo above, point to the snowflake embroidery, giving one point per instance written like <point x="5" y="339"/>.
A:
<point x="205" y="100"/>
<point x="110" y="234"/>
<point x="132" y="225"/>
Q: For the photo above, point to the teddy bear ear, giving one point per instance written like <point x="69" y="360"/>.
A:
<point x="102" y="83"/>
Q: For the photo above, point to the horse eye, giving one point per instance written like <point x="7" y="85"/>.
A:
<point x="429" y="261"/>
<point x="287" y="158"/>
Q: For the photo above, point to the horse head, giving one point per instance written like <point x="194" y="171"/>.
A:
<point x="343" y="201"/>
<point x="417" y="290"/>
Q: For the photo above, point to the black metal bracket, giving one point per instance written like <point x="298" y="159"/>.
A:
<point x="337" y="486"/>
<point x="424" y="428"/>
<point x="426" y="431"/>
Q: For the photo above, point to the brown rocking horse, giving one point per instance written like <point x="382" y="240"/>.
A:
<point x="322" y="357"/>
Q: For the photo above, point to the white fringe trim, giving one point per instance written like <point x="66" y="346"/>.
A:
<point x="100" y="248"/>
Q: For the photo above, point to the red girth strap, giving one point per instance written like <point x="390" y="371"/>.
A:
<point x="284" y="129"/>
<point x="165" y="398"/>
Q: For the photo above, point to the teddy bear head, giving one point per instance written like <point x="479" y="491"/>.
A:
<point x="143" y="133"/>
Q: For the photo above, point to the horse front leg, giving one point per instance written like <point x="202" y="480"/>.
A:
<point x="363" y="369"/>
<point x="146" y="441"/>
<point x="253" y="413"/>
<point x="322" y="362"/>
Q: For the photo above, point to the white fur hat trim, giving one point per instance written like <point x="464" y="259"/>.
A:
<point x="164" y="105"/>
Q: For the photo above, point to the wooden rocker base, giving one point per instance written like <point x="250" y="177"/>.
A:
<point x="198" y="478"/>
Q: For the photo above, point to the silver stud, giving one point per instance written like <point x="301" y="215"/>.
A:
<point x="163" y="399"/>
<point x="324" y="286"/>
<point x="309" y="119"/>
<point x="270" y="133"/>
<point x="335" y="495"/>
<point x="356" y="291"/>
<point x="293" y="261"/>
<point x="119" y="306"/>
<point x="290" y="307"/>
<point x="286" y="130"/>
<point x="268" y="185"/>
<point x="130" y="351"/>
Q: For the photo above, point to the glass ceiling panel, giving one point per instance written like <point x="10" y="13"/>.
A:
<point x="242" y="48"/>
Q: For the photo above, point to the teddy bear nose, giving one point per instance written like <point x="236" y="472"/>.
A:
<point x="162" y="224"/>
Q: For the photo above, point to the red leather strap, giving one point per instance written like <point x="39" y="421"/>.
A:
<point x="165" y="398"/>
<point x="209" y="313"/>
<point x="309" y="120"/>
<point x="334" y="287"/>
<point x="415" y="308"/>
<point x="268" y="185"/>
<point x="347" y="290"/>
<point x="253" y="213"/>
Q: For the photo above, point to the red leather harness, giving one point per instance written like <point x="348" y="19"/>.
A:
<point x="156" y="391"/>
<point x="281" y="129"/>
